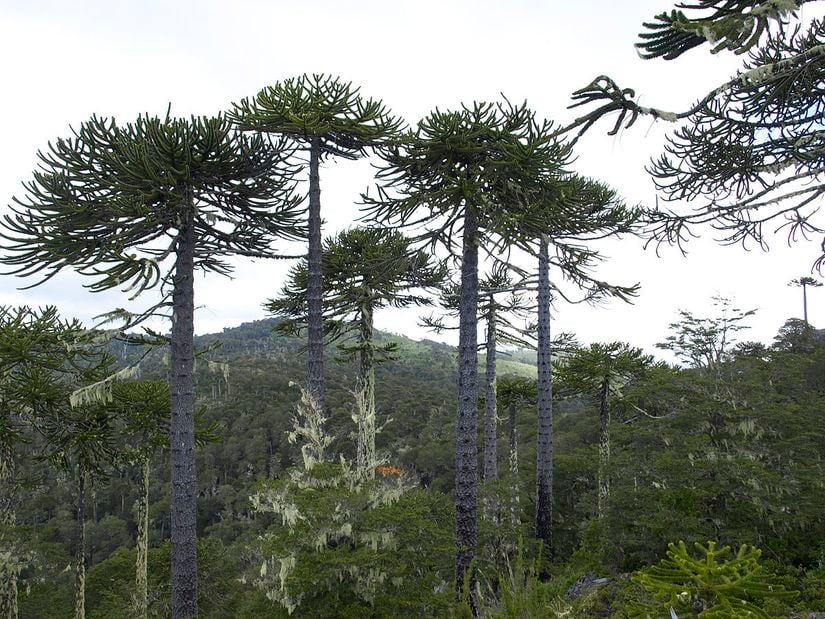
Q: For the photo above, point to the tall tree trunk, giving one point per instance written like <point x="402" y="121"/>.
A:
<point x="315" y="302"/>
<point x="80" y="552"/>
<point x="490" y="454"/>
<point x="805" y="302"/>
<point x="365" y="460"/>
<point x="182" y="430"/>
<point x="9" y="550"/>
<point x="514" y="486"/>
<point x="142" y="564"/>
<point x="491" y="506"/>
<point x="604" y="447"/>
<point x="466" y="448"/>
<point x="544" y="446"/>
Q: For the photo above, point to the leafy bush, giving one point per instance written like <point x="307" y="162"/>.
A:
<point x="343" y="545"/>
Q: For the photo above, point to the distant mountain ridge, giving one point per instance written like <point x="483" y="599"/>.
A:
<point x="257" y="338"/>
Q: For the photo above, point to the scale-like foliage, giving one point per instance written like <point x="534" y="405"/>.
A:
<point x="321" y="106"/>
<point x="327" y="117"/>
<point x="464" y="172"/>
<point x="111" y="200"/>
<point x="717" y="585"/>
<point x="750" y="151"/>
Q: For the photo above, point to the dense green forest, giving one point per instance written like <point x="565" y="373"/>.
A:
<point x="730" y="453"/>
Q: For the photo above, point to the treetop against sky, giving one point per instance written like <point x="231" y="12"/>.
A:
<point x="202" y="56"/>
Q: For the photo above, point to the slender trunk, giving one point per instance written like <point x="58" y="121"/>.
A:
<point x="466" y="448"/>
<point x="604" y="447"/>
<point x="805" y="302"/>
<point x="490" y="510"/>
<point x="142" y="564"/>
<point x="80" y="552"/>
<point x="514" y="488"/>
<point x="9" y="557"/>
<point x="315" y="306"/>
<point x="366" y="384"/>
<point x="490" y="454"/>
<point x="182" y="430"/>
<point x="544" y="446"/>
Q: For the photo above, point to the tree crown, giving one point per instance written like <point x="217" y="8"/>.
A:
<point x="319" y="107"/>
<point x="111" y="201"/>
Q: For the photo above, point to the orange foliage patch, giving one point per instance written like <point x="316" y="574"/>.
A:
<point x="386" y="470"/>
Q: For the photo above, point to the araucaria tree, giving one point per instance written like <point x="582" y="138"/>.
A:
<point x="804" y="283"/>
<point x="141" y="406"/>
<point x="568" y="213"/>
<point x="364" y="269"/>
<point x="113" y="202"/>
<point x="750" y="151"/>
<point x="599" y="372"/>
<point x="461" y="171"/>
<point x="34" y="361"/>
<point x="326" y="117"/>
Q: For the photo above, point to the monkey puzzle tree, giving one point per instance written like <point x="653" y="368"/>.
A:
<point x="363" y="270"/>
<point x="499" y="315"/>
<point x="513" y="393"/>
<point x="463" y="169"/>
<point x="570" y="213"/>
<point x="142" y="407"/>
<point x="36" y="350"/>
<point x="751" y="150"/>
<point x="804" y="282"/>
<point x="327" y="117"/>
<point x="599" y="372"/>
<point x="113" y="203"/>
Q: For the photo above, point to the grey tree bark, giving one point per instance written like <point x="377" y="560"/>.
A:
<point x="9" y="563"/>
<point x="490" y="453"/>
<point x="80" y="552"/>
<point x="365" y="456"/>
<point x="315" y="307"/>
<point x="142" y="565"/>
<point x="182" y="429"/>
<point x="544" y="443"/>
<point x="466" y="448"/>
<point x="805" y="302"/>
<point x="604" y="447"/>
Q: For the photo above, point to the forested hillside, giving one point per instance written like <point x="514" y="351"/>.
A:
<point x="309" y="465"/>
<point x="732" y="454"/>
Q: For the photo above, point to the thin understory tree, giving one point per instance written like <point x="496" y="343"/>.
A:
<point x="365" y="269"/>
<point x="34" y="362"/>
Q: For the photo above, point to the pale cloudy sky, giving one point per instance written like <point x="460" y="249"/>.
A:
<point x="62" y="62"/>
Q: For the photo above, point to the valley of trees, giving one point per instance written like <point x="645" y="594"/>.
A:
<point x="308" y="464"/>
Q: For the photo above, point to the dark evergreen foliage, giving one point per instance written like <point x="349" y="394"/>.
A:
<point x="327" y="117"/>
<point x="749" y="152"/>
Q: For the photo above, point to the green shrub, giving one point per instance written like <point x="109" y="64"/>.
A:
<point x="717" y="585"/>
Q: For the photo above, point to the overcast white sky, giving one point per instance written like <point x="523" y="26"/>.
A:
<point x="62" y="62"/>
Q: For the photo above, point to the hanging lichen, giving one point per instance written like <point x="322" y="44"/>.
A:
<point x="141" y="565"/>
<point x="308" y="430"/>
<point x="101" y="391"/>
